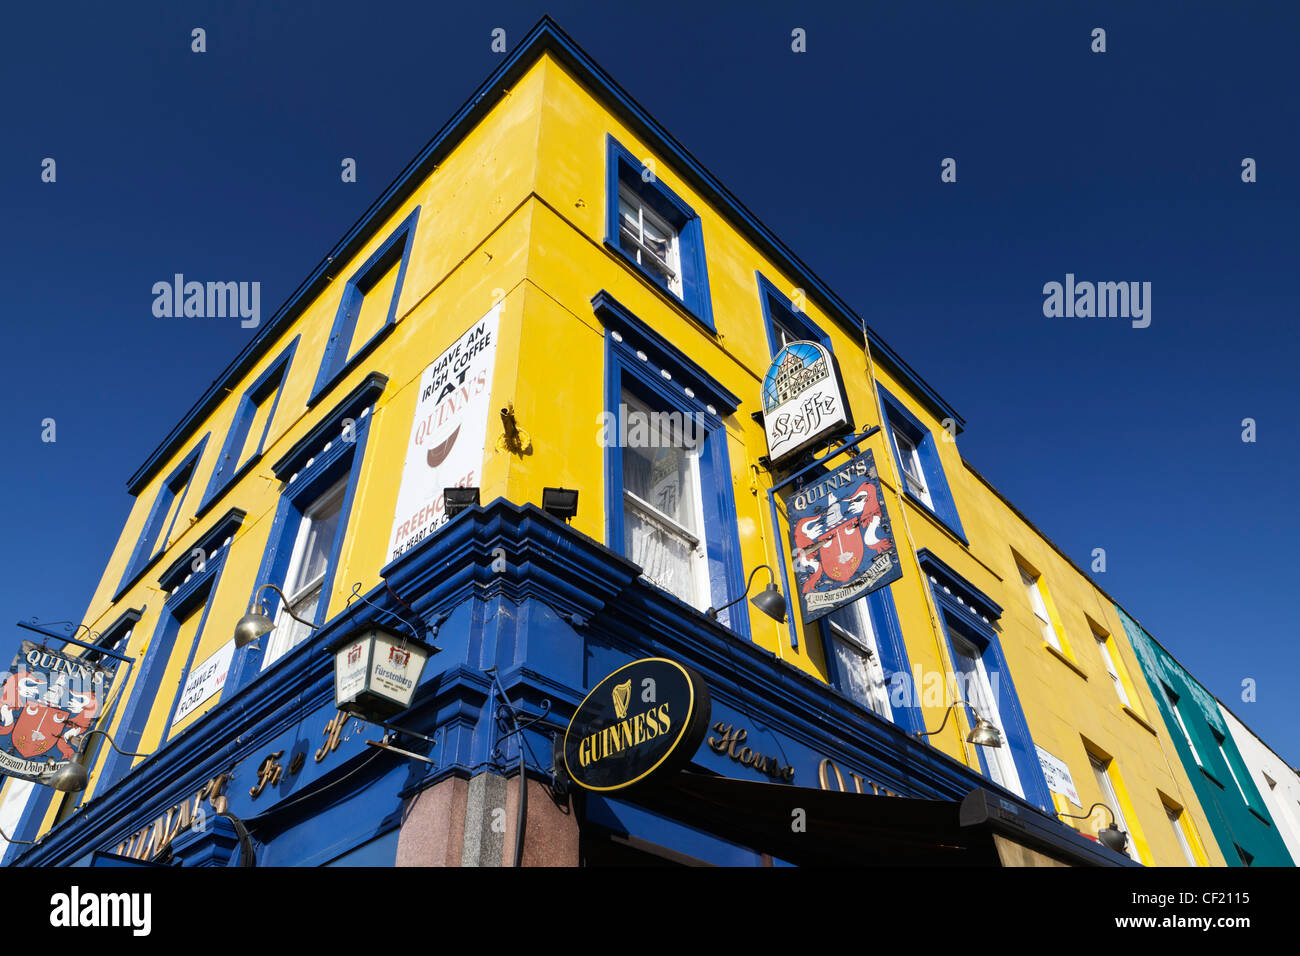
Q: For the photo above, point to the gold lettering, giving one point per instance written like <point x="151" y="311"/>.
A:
<point x="217" y="798"/>
<point x="269" y="772"/>
<point x="720" y="745"/>
<point x="857" y="781"/>
<point x="736" y="738"/>
<point x="821" y="774"/>
<point x="638" y="725"/>
<point x="664" y="720"/>
<point x="141" y="851"/>
<point x="333" y="734"/>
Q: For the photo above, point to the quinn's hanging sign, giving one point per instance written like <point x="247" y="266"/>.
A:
<point x="648" y="717"/>
<point x="48" y="701"/>
<point x="841" y="541"/>
<point x="804" y="404"/>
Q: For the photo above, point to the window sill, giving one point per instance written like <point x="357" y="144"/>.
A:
<point x="234" y="479"/>
<point x="680" y="304"/>
<point x="1212" y="777"/>
<point x="351" y="365"/>
<point x="936" y="519"/>
<point x="1060" y="656"/>
<point x="136" y="578"/>
<point x="1262" y="819"/>
<point x="1141" y="720"/>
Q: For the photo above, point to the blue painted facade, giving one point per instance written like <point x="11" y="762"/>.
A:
<point x="565" y="612"/>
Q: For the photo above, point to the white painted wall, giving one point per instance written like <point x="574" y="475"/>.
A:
<point x="11" y="807"/>
<point x="1282" y="800"/>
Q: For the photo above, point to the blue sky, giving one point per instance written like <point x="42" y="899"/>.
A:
<point x="1115" y="166"/>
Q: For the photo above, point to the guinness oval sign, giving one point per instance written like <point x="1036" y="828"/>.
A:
<point x="647" y="717"/>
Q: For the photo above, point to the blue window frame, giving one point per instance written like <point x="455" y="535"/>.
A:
<point x="162" y="517"/>
<point x="241" y="450"/>
<point x="190" y="586"/>
<point x="966" y="617"/>
<point x="654" y="229"/>
<point x="847" y="636"/>
<point x="783" y="322"/>
<point x="340" y="357"/>
<point x="661" y="380"/>
<point x="331" y="454"/>
<point x="916" y="456"/>
<point x="116" y="637"/>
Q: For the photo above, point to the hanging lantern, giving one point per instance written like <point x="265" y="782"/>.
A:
<point x="376" y="672"/>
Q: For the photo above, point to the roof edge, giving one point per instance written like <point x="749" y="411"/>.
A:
<point x="545" y="36"/>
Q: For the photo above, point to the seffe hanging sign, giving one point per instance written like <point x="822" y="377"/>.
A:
<point x="804" y="404"/>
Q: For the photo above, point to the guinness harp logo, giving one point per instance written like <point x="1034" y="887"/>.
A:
<point x="617" y="739"/>
<point x="622" y="692"/>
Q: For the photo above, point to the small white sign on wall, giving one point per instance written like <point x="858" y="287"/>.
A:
<point x="1058" y="777"/>
<point x="205" y="680"/>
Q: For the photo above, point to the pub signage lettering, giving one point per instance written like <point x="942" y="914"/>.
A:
<point x="804" y="404"/>
<point x="271" y="771"/>
<point x="648" y="717"/>
<point x="732" y="738"/>
<point x="49" y="701"/>
<point x="150" y="840"/>
<point x="840" y="538"/>
<point x="828" y="767"/>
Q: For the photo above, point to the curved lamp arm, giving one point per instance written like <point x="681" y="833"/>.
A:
<point x="713" y="612"/>
<point x="1087" y="814"/>
<point x="10" y="839"/>
<point x="284" y="604"/>
<point x="944" y="723"/>
<point x="111" y="742"/>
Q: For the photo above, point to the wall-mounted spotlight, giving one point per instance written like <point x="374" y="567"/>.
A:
<point x="255" y="623"/>
<point x="72" y="776"/>
<point x="456" y="500"/>
<point x="984" y="734"/>
<point x="771" y="601"/>
<point x="560" y="502"/>
<point x="1111" y="836"/>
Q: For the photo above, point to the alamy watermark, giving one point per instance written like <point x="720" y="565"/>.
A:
<point x="937" y="688"/>
<point x="634" y="428"/>
<point x="208" y="300"/>
<point x="1103" y="300"/>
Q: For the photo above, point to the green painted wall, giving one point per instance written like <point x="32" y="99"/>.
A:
<point x="1236" y="822"/>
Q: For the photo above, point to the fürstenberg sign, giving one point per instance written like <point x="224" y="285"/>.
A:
<point x="804" y="404"/>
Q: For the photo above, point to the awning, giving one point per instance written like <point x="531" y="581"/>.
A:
<point x="830" y="828"/>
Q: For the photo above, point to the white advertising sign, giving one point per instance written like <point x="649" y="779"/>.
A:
<point x="803" y="400"/>
<point x="448" y="434"/>
<point x="350" y="666"/>
<point x="205" y="680"/>
<point x="1058" y="777"/>
<point x="394" y="669"/>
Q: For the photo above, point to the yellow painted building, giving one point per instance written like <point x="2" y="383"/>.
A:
<point x="1083" y="691"/>
<point x="614" y="275"/>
